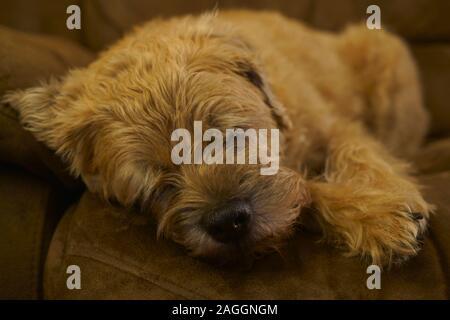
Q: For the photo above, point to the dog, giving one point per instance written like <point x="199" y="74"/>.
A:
<point x="348" y="107"/>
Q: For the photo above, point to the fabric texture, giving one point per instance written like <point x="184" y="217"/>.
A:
<point x="35" y="187"/>
<point x="43" y="58"/>
<point x="30" y="208"/>
<point x="120" y="257"/>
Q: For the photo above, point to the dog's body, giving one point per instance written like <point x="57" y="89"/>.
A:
<point x="346" y="105"/>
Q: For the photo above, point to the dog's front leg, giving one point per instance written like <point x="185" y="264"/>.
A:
<point x="365" y="201"/>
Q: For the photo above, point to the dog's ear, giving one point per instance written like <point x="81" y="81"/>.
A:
<point x="74" y="132"/>
<point x="50" y="119"/>
<point x="255" y="76"/>
<point x="35" y="107"/>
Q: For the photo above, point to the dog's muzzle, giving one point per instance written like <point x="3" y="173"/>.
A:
<point x="230" y="223"/>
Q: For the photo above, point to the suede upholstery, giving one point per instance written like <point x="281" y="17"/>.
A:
<point x="117" y="250"/>
<point x="35" y="187"/>
<point x="30" y="209"/>
<point x="120" y="258"/>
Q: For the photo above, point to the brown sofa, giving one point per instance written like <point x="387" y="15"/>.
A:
<point x="48" y="221"/>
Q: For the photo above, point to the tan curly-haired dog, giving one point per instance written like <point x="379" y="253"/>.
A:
<point x="347" y="105"/>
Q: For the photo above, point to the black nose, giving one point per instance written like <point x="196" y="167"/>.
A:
<point x="229" y="223"/>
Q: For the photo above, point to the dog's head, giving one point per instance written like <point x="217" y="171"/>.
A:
<point x="113" y="121"/>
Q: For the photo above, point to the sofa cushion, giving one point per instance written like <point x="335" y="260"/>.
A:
<point x="30" y="58"/>
<point x="43" y="16"/>
<point x="433" y="61"/>
<point x="434" y="157"/>
<point x="108" y="20"/>
<point x="26" y="60"/>
<point x="416" y="20"/>
<point x="120" y="257"/>
<point x="29" y="211"/>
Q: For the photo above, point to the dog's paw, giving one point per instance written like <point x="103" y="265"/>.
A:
<point x="394" y="231"/>
<point x="395" y="238"/>
<point x="383" y="225"/>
